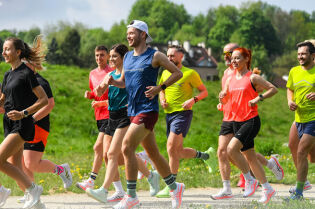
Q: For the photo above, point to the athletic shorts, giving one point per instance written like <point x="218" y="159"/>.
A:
<point x="306" y="128"/>
<point x="117" y="119"/>
<point x="24" y="127"/>
<point x="178" y="122"/>
<point x="39" y="142"/>
<point x="102" y="124"/>
<point x="226" y="128"/>
<point x="246" y="132"/>
<point x="149" y="119"/>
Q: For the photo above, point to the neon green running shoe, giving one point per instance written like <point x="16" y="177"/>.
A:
<point x="212" y="160"/>
<point x="165" y="193"/>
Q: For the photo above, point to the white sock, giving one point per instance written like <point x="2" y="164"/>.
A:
<point x="270" y="164"/>
<point x="248" y="176"/>
<point x="150" y="175"/>
<point x="226" y="185"/>
<point x="118" y="186"/>
<point x="266" y="186"/>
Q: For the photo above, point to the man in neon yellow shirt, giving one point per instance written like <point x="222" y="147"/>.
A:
<point x="177" y="101"/>
<point x="301" y="99"/>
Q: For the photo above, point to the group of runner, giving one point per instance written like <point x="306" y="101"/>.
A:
<point x="125" y="101"/>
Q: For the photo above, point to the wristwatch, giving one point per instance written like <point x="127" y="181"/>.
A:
<point x="261" y="97"/>
<point x="25" y="113"/>
<point x="163" y="86"/>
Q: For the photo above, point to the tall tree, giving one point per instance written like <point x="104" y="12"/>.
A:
<point x="70" y="48"/>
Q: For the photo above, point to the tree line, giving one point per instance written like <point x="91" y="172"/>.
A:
<point x="270" y="32"/>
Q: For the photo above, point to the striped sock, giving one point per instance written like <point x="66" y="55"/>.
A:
<point x="93" y="175"/>
<point x="131" y="188"/>
<point x="202" y="155"/>
<point x="170" y="182"/>
<point x="58" y="169"/>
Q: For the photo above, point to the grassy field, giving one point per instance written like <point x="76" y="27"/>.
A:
<point x="73" y="132"/>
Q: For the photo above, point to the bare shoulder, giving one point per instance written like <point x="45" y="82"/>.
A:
<point x="158" y="59"/>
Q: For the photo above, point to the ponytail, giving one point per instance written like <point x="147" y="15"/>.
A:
<point x="256" y="71"/>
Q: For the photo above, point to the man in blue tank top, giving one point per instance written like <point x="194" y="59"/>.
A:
<point x="139" y="78"/>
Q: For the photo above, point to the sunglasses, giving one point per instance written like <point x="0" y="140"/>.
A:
<point x="228" y="53"/>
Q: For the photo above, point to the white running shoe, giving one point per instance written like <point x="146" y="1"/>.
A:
<point x="39" y="205"/>
<point x="267" y="195"/>
<point x="127" y="203"/>
<point x="277" y="170"/>
<point x="154" y="182"/>
<point x="177" y="195"/>
<point x="143" y="155"/>
<point x="223" y="194"/>
<point x="32" y="196"/>
<point x="66" y="176"/>
<point x="89" y="183"/>
<point x="22" y="199"/>
<point x="140" y="175"/>
<point x="99" y="194"/>
<point x="250" y="187"/>
<point x="117" y="196"/>
<point x="4" y="194"/>
<point x="307" y="186"/>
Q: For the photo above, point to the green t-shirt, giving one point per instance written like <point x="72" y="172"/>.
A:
<point x="180" y="91"/>
<point x="302" y="82"/>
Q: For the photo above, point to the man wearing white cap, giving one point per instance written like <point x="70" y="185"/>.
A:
<point x="139" y="77"/>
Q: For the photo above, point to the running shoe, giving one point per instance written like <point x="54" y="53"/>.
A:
<point x="143" y="155"/>
<point x="66" y="175"/>
<point x="154" y="182"/>
<point x="177" y="195"/>
<point x="295" y="196"/>
<point x="98" y="194"/>
<point x="39" y="205"/>
<point x="22" y="199"/>
<point x="307" y="186"/>
<point x="32" y="196"/>
<point x="212" y="160"/>
<point x="140" y="175"/>
<point x="223" y="194"/>
<point x="250" y="187"/>
<point x="117" y="196"/>
<point x="4" y="194"/>
<point x="241" y="182"/>
<point x="267" y="195"/>
<point x="127" y="202"/>
<point x="277" y="170"/>
<point x="86" y="184"/>
<point x="164" y="193"/>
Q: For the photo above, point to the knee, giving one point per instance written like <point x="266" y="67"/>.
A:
<point x="30" y="165"/>
<point x="98" y="149"/>
<point x="222" y="153"/>
<point x="111" y="156"/>
<point x="126" y="150"/>
<point x="231" y="151"/>
<point x="301" y="153"/>
<point x="173" y="150"/>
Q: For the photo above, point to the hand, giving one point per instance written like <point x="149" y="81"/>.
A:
<point x="220" y="107"/>
<point x="187" y="105"/>
<point x="87" y="94"/>
<point x="152" y="91"/>
<point x="15" y="115"/>
<point x="109" y="80"/>
<point x="311" y="96"/>
<point x="99" y="91"/>
<point x="292" y="105"/>
<point x="96" y="104"/>
<point x="253" y="102"/>
<point x="223" y="97"/>
<point x="164" y="104"/>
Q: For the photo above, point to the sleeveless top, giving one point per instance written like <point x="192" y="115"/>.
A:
<point x="139" y="74"/>
<point x="227" y="113"/>
<point x="241" y="92"/>
<point x="117" y="97"/>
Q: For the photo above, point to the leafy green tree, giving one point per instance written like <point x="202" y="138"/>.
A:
<point x="70" y="48"/>
<point x="4" y="34"/>
<point x="186" y="33"/>
<point x="53" y="54"/>
<point x="31" y="34"/>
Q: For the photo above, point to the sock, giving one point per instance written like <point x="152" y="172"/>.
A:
<point x="118" y="186"/>
<point x="300" y="187"/>
<point x="202" y="155"/>
<point x="31" y="187"/>
<point x="58" y="169"/>
<point x="150" y="175"/>
<point x="93" y="175"/>
<point x="131" y="188"/>
<point x="266" y="186"/>
<point x="170" y="182"/>
<point x="248" y="176"/>
<point x="175" y="176"/>
<point x="270" y="164"/>
<point x="227" y="185"/>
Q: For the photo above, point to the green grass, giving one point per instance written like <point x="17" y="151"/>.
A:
<point x="73" y="133"/>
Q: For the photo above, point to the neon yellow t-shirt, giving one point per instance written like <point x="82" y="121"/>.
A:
<point x="182" y="90"/>
<point x="302" y="82"/>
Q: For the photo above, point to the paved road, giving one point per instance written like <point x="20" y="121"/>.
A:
<point x="193" y="198"/>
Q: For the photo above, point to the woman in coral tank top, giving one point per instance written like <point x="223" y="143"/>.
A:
<point x="241" y="92"/>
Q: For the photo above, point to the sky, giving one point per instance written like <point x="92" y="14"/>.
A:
<point x="25" y="14"/>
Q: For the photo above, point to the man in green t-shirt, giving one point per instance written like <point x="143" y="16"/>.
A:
<point x="301" y="99"/>
<point x="177" y="101"/>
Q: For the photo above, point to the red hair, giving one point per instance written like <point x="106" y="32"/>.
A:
<point x="246" y="53"/>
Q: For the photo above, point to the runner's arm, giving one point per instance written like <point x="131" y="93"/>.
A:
<point x="290" y="96"/>
<point x="44" y="111"/>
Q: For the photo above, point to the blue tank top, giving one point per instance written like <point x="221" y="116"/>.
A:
<point x="117" y="97"/>
<point x="139" y="74"/>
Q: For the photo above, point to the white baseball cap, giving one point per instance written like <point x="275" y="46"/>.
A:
<point x="141" y="26"/>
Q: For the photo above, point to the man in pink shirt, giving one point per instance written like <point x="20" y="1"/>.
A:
<point x="101" y="113"/>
